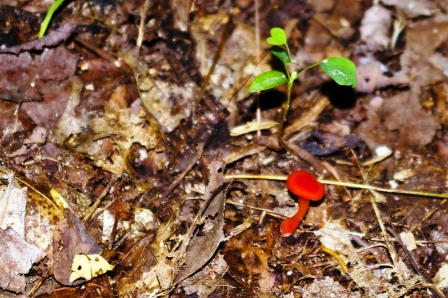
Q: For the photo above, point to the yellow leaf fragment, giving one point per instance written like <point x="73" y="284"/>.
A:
<point x="88" y="266"/>
<point x="58" y="199"/>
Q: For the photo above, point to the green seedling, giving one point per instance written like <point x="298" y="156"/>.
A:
<point x="340" y="69"/>
<point x="49" y="16"/>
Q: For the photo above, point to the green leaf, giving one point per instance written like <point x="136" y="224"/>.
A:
<point x="340" y="69"/>
<point x="281" y="54"/>
<point x="277" y="38"/>
<point x="46" y="22"/>
<point x="268" y="80"/>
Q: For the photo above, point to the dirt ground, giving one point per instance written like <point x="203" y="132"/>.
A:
<point x="135" y="162"/>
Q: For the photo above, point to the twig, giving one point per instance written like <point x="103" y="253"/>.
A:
<point x="428" y="215"/>
<point x="181" y="176"/>
<point x="241" y="282"/>
<point x="37" y="285"/>
<point x="227" y="31"/>
<point x="374" y="201"/>
<point x="436" y="291"/>
<point x="141" y="27"/>
<point x="345" y="184"/>
<point x="98" y="201"/>
<point x="272" y="213"/>
<point x="257" y="58"/>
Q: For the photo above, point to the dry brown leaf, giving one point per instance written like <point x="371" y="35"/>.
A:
<point x="111" y="135"/>
<point x="71" y="238"/>
<point x="202" y="247"/>
<point x="206" y="280"/>
<point x="51" y="39"/>
<point x="139" y="262"/>
<point x="423" y="40"/>
<point x="169" y="103"/>
<point x="400" y="123"/>
<point x="371" y="75"/>
<point x="36" y="79"/>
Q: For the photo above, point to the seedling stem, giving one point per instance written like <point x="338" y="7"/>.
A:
<point x="340" y="69"/>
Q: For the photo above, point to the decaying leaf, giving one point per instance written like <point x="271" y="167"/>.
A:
<point x="414" y="8"/>
<point x="111" y="135"/>
<point x="17" y="255"/>
<point x="404" y="123"/>
<point x="13" y="207"/>
<point x="375" y="27"/>
<point x="337" y="238"/>
<point x="169" y="103"/>
<point x="205" y="281"/>
<point x="52" y="39"/>
<point x="202" y="247"/>
<point x="327" y="287"/>
<point x="372" y="75"/>
<point x="71" y="238"/>
<point x="138" y="262"/>
<point x="17" y="258"/>
<point x="39" y="78"/>
<point x="441" y="278"/>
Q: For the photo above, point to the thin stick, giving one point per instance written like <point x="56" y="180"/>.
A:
<point x="346" y="184"/>
<point x="98" y="201"/>
<point x="141" y="27"/>
<point x="226" y="32"/>
<point x="257" y="58"/>
<point x="272" y="213"/>
<point x="37" y="285"/>
<point x="181" y="176"/>
<point x="428" y="215"/>
<point x="373" y="200"/>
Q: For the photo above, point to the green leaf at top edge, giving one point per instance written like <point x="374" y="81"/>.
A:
<point x="277" y="38"/>
<point x="268" y="80"/>
<point x="281" y="54"/>
<point x="340" y="69"/>
<point x="49" y="16"/>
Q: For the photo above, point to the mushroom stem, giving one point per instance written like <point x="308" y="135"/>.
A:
<point x="289" y="225"/>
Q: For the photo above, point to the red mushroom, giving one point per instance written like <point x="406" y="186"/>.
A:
<point x="307" y="188"/>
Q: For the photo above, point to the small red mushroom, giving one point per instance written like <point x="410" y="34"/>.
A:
<point x="307" y="188"/>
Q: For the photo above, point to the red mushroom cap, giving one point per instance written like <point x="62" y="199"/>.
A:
<point x="305" y="186"/>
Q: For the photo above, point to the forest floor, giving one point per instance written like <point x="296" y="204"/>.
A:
<point x="127" y="134"/>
